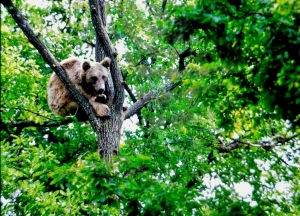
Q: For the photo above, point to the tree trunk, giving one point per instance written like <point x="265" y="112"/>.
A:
<point x="110" y="130"/>
<point x="109" y="136"/>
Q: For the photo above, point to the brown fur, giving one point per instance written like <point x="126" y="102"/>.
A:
<point x="89" y="79"/>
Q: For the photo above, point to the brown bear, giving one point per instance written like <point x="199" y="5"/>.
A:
<point x="89" y="78"/>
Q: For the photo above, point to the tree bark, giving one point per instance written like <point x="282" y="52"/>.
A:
<point x="139" y="104"/>
<point x="110" y="129"/>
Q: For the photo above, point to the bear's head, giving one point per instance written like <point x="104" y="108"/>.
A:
<point x="95" y="75"/>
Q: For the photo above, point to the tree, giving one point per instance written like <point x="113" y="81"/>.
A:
<point x="215" y="103"/>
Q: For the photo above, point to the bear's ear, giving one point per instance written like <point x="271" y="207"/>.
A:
<point x="106" y="62"/>
<point x="86" y="65"/>
<point x="70" y="62"/>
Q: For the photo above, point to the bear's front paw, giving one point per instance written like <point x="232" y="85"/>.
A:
<point x="101" y="98"/>
<point x="106" y="112"/>
<point x="103" y="111"/>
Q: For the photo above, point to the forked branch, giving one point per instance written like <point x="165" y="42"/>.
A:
<point x="139" y="104"/>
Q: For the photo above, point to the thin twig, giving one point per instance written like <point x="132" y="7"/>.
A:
<point x="27" y="110"/>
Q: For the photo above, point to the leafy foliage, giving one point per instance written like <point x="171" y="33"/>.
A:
<point x="261" y="38"/>
<point x="239" y="86"/>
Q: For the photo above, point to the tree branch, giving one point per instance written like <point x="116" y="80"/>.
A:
<point x="100" y="53"/>
<point x="133" y="98"/>
<point x="23" y="124"/>
<point x="186" y="53"/>
<point x="27" y="123"/>
<point x="4" y="127"/>
<point x="163" y="6"/>
<point x="276" y="140"/>
<point x="131" y="95"/>
<point x="27" y="110"/>
<point x="52" y="62"/>
<point x="150" y="8"/>
<point x="90" y="43"/>
<point x="104" y="42"/>
<point x="249" y="13"/>
<point x="139" y="104"/>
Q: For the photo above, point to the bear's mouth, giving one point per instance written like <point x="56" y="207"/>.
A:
<point x="100" y="91"/>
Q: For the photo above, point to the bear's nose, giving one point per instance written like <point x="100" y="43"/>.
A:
<point x="100" y="91"/>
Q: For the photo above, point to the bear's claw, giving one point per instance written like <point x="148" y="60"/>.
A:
<point x="101" y="98"/>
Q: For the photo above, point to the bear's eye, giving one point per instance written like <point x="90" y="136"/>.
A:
<point x="103" y="77"/>
<point x="94" y="79"/>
